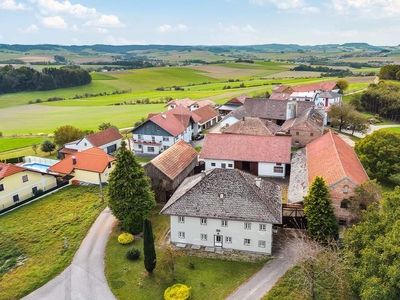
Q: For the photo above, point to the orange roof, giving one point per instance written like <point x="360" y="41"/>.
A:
<point x="206" y="113"/>
<point x="187" y="102"/>
<point x="253" y="148"/>
<point x="8" y="170"/>
<point x="249" y="126"/>
<point x="92" y="160"/>
<point x="239" y="99"/>
<point x="323" y="86"/>
<point x="333" y="159"/>
<point x="175" y="159"/>
<point x="104" y="137"/>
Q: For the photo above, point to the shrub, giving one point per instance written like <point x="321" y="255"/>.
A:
<point x="177" y="292"/>
<point x="125" y="238"/>
<point x="133" y="254"/>
<point x="134" y="224"/>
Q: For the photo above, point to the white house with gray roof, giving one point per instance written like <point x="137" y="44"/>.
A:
<point x="225" y="208"/>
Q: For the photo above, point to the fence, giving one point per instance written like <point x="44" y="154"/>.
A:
<point x="40" y="160"/>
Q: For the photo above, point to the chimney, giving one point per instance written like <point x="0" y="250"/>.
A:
<point x="73" y="160"/>
<point x="258" y="182"/>
<point x="203" y="174"/>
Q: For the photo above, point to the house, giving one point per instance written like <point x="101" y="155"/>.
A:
<point x="18" y="184"/>
<point x="265" y="156"/>
<point x="281" y="88"/>
<point x="305" y="128"/>
<point x="109" y="140"/>
<point x="225" y="209"/>
<point x="232" y="104"/>
<point x="208" y="117"/>
<point x="326" y="99"/>
<point x="304" y="96"/>
<point x="170" y="168"/>
<point x="89" y="166"/>
<point x="333" y="159"/>
<point x="161" y="131"/>
<point x="329" y="86"/>
<point x="252" y="126"/>
<point x="190" y="104"/>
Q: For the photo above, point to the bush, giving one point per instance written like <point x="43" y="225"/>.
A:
<point x="177" y="292"/>
<point x="125" y="238"/>
<point x="133" y="254"/>
<point x="134" y="224"/>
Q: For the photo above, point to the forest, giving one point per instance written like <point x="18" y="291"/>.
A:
<point x="23" y="79"/>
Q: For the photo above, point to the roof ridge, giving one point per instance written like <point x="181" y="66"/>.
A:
<point x="337" y="152"/>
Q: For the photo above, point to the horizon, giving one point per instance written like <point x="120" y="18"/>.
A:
<point x="217" y="22"/>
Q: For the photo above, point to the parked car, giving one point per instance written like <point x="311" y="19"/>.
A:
<point x="199" y="137"/>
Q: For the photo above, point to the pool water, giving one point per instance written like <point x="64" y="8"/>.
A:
<point x="37" y="166"/>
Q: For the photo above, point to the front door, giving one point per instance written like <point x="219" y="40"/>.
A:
<point x="217" y="240"/>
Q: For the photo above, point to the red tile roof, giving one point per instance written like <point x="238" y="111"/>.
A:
<point x="92" y="160"/>
<point x="282" y="89"/>
<point x="104" y="137"/>
<point x="187" y="102"/>
<point x="279" y="96"/>
<point x="238" y="99"/>
<point x="252" y="148"/>
<point x="249" y="126"/>
<point x="323" y="86"/>
<point x="333" y="159"/>
<point x="8" y="170"/>
<point x="175" y="159"/>
<point x="206" y="113"/>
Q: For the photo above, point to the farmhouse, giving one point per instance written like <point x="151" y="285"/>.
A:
<point x="252" y="126"/>
<point x="333" y="159"/>
<point x="190" y="104"/>
<point x="108" y="140"/>
<point x="265" y="156"/>
<point x="170" y="168"/>
<point x="208" y="117"/>
<point x="232" y="104"/>
<point x="161" y="131"/>
<point x="89" y="166"/>
<point x="328" y="86"/>
<point x="19" y="184"/>
<point x="225" y="209"/>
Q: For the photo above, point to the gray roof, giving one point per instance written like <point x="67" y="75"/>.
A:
<point x="329" y="95"/>
<point x="266" y="108"/>
<point x="242" y="200"/>
<point x="310" y="115"/>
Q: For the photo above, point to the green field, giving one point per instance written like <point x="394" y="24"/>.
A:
<point x="34" y="236"/>
<point x="7" y="144"/>
<point x="394" y="129"/>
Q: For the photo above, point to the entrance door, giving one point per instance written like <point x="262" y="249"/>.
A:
<point x="217" y="240"/>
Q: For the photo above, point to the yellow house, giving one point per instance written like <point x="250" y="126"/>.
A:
<point x="90" y="166"/>
<point x="18" y="184"/>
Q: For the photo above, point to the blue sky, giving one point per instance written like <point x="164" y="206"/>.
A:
<point x="199" y="22"/>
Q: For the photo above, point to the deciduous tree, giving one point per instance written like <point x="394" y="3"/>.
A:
<point x="339" y="115"/>
<point x="321" y="222"/>
<point x="149" y="250"/>
<point x="66" y="134"/>
<point x="104" y="126"/>
<point x="343" y="84"/>
<point x="357" y="122"/>
<point x="47" y="146"/>
<point x="34" y="148"/>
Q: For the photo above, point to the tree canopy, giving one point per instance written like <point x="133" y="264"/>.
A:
<point x="129" y="189"/>
<point x="373" y="252"/>
<point x="47" y="146"/>
<point x="104" y="126"/>
<point x="66" y="134"/>
<point x="321" y="222"/>
<point x="379" y="153"/>
<point x="339" y="115"/>
<point x="343" y="84"/>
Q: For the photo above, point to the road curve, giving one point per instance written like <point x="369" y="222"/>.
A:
<point x="84" y="279"/>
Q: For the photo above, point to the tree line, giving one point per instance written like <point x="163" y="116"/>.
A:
<point x="326" y="71"/>
<point x="13" y="80"/>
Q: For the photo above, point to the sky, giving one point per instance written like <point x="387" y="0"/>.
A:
<point x="200" y="22"/>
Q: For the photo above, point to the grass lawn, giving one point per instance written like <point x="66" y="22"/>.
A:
<point x="394" y="129"/>
<point x="34" y="234"/>
<point x="210" y="278"/>
<point x="7" y="144"/>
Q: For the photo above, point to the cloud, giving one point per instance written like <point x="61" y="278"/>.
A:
<point x="249" y="28"/>
<point x="76" y="41"/>
<point x="168" y="28"/>
<point x="121" y="41"/>
<point x="310" y="10"/>
<point x="235" y="29"/>
<point x="11" y="5"/>
<point x="367" y="8"/>
<point x="337" y="33"/>
<point x="54" y="7"/>
<point x="105" y="21"/>
<point x="281" y="4"/>
<point x="54" y="22"/>
<point x="31" y="29"/>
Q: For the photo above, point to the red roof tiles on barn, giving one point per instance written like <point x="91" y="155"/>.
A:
<point x="104" y="137"/>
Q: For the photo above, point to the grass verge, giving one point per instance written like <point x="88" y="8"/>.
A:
<point x="209" y="279"/>
<point x="33" y="236"/>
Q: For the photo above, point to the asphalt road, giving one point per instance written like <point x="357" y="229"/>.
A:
<point x="84" y="279"/>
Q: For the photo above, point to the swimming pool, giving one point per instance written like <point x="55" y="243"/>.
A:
<point x="37" y="167"/>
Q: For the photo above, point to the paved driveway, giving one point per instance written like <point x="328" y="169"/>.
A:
<point x="84" y="279"/>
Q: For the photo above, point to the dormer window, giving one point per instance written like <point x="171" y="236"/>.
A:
<point x="345" y="189"/>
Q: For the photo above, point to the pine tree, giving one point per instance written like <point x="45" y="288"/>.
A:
<point x="129" y="190"/>
<point x="149" y="250"/>
<point x="321" y="222"/>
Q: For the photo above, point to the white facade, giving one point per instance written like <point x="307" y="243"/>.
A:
<point x="84" y="144"/>
<point x="229" y="121"/>
<point x="219" y="163"/>
<point x="327" y="102"/>
<point x="229" y="234"/>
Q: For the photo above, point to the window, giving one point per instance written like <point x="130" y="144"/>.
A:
<point x="181" y="234"/>
<point x="247" y="225"/>
<point x="181" y="219"/>
<point x="344" y="203"/>
<point x="85" y="144"/>
<point x="165" y="147"/>
<point x="247" y="242"/>
<point x="147" y="127"/>
<point x="150" y="149"/>
<point x="1" y="187"/>
<point x="109" y="165"/>
<point x="342" y="223"/>
<point x="224" y="223"/>
<point x="230" y="165"/>
<point x="34" y="190"/>
<point x="165" y="138"/>
<point x="223" y="165"/>
<point x="311" y="134"/>
<point x="261" y="244"/>
<point x="278" y="164"/>
<point x="297" y="133"/>
<point x="25" y="178"/>
<point x="212" y="164"/>
<point x="263" y="227"/>
<point x="345" y="189"/>
<point x="203" y="221"/>
<point x="203" y="237"/>
<point x="139" y="137"/>
<point x="140" y="146"/>
<point x="278" y="169"/>
<point x="153" y="139"/>
<point x="158" y="128"/>
<point x="16" y="198"/>
<point x="296" y="143"/>
<point x="228" y="240"/>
